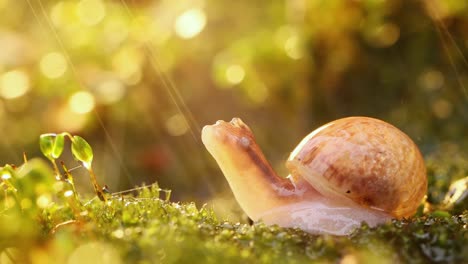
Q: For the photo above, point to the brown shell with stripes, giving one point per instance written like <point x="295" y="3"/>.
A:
<point x="364" y="161"/>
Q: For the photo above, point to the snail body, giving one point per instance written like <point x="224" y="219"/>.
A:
<point x="348" y="171"/>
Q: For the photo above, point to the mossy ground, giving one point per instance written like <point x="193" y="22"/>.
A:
<point x="147" y="229"/>
<point x="40" y="222"/>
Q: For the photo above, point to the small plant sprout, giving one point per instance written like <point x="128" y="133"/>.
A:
<point x="52" y="147"/>
<point x="83" y="152"/>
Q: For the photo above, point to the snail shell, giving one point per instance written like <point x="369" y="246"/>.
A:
<point x="350" y="170"/>
<point x="363" y="160"/>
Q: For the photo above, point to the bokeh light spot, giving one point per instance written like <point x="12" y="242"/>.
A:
<point x="110" y="92"/>
<point x="43" y="201"/>
<point x="116" y="31"/>
<point x="442" y="108"/>
<point x="349" y="259"/>
<point x="386" y="35"/>
<point x="57" y="14"/>
<point x="127" y="64"/>
<point x="431" y="80"/>
<point x="81" y="102"/>
<point x="14" y="84"/>
<point x="6" y="175"/>
<point x="293" y="49"/>
<point x="190" y="23"/>
<point x="53" y="65"/>
<point x="68" y="120"/>
<point x="91" y="12"/>
<point x="177" y="125"/>
<point x="119" y="233"/>
<point x="235" y="74"/>
<point x="282" y="34"/>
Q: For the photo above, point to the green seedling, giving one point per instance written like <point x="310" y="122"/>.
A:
<point x="83" y="152"/>
<point x="52" y="146"/>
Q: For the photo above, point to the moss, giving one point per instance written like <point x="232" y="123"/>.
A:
<point x="145" y="229"/>
<point x="41" y="222"/>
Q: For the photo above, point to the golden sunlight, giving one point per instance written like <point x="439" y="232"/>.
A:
<point x="53" y="65"/>
<point x="190" y="23"/>
<point x="81" y="102"/>
<point x="14" y="84"/>
<point x="90" y="12"/>
<point x="110" y="92"/>
<point x="293" y="49"/>
<point x="177" y="125"/>
<point x="235" y="74"/>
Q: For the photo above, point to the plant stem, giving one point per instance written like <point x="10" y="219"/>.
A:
<point x="97" y="188"/>
<point x="58" y="175"/>
<point x="70" y="180"/>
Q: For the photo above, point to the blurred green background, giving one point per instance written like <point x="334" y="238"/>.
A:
<point x="139" y="78"/>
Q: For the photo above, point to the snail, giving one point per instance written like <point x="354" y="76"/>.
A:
<point x="349" y="171"/>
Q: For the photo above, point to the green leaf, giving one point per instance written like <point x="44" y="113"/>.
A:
<point x="82" y="151"/>
<point x="58" y="146"/>
<point x="52" y="145"/>
<point x="46" y="142"/>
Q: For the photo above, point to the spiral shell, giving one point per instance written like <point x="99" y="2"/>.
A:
<point x="364" y="161"/>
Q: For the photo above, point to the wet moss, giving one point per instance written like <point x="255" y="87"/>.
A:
<point x="147" y="229"/>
